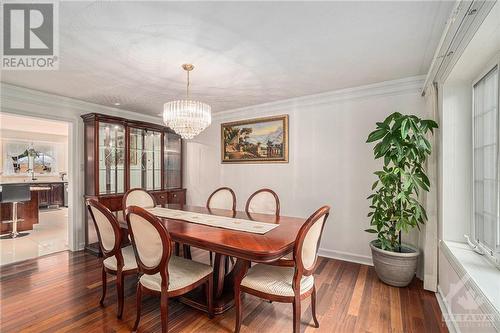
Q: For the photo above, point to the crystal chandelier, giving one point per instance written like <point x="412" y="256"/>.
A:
<point x="186" y="117"/>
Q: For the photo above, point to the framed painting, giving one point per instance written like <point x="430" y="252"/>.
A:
<point x="260" y="140"/>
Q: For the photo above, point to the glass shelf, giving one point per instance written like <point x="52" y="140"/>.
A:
<point x="172" y="161"/>
<point x="145" y="159"/>
<point x="111" y="158"/>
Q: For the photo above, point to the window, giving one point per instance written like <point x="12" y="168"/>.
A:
<point x="486" y="163"/>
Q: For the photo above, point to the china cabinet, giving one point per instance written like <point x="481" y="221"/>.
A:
<point x="121" y="154"/>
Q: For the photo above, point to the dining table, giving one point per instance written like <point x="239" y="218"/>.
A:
<point x="246" y="247"/>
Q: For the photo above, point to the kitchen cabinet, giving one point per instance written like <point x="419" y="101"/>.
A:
<point x="54" y="196"/>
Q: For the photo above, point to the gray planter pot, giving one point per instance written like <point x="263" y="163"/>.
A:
<point x="395" y="268"/>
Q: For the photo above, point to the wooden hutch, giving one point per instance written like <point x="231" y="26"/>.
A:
<point x="122" y="154"/>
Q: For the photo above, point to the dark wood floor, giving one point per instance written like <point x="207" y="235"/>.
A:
<point x="60" y="293"/>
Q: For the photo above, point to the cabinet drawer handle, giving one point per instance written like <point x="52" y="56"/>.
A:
<point x="175" y="195"/>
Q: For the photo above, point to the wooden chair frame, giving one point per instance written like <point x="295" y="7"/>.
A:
<point x="222" y="189"/>
<point x="276" y="198"/>
<point x="300" y="270"/>
<point x="115" y="251"/>
<point x="162" y="268"/>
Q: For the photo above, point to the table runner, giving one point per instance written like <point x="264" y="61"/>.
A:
<point x="214" y="220"/>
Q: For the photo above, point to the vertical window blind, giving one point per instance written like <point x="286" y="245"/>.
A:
<point x="486" y="161"/>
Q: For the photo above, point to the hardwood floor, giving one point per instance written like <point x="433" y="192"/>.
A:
<point x="60" y="293"/>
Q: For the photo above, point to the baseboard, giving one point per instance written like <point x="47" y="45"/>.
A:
<point x="452" y="328"/>
<point x="346" y="256"/>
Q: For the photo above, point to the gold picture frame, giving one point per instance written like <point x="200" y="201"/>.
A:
<point x="259" y="140"/>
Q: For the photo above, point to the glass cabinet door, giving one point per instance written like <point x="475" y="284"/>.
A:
<point x="172" y="161"/>
<point x="111" y="158"/>
<point x="145" y="159"/>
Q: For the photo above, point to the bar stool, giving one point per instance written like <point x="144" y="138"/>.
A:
<point x="15" y="194"/>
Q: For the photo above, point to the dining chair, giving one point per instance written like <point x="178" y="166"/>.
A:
<point x="221" y="198"/>
<point x="138" y="197"/>
<point x="287" y="284"/>
<point x="142" y="198"/>
<point x="115" y="259"/>
<point x="161" y="273"/>
<point x="263" y="201"/>
<point x="266" y="201"/>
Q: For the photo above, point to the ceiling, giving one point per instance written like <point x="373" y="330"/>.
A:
<point x="245" y="53"/>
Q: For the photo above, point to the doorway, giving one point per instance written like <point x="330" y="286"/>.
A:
<point x="34" y="155"/>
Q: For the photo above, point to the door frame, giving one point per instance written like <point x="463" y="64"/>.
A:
<point x="76" y="231"/>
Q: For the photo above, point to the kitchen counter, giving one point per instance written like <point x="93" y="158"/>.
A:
<point x="43" y="194"/>
<point x="28" y="212"/>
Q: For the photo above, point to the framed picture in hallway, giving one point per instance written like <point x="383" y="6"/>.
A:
<point x="260" y="140"/>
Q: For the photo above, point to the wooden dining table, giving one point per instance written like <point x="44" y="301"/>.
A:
<point x="246" y="247"/>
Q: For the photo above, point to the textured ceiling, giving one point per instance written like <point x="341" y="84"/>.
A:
<point x="244" y="53"/>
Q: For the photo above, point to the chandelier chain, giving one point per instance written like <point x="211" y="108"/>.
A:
<point x="187" y="86"/>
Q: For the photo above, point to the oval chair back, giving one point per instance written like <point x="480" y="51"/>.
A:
<point x="306" y="247"/>
<point x="222" y="198"/>
<point x="138" y="197"/>
<point x="263" y="201"/>
<point x="108" y="230"/>
<point x="151" y="242"/>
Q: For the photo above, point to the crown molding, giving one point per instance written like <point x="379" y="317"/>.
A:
<point x="411" y="84"/>
<point x="13" y="97"/>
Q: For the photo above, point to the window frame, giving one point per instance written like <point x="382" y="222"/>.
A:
<point x="493" y="254"/>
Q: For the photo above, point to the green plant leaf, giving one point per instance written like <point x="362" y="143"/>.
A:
<point x="404" y="146"/>
<point x="376" y="135"/>
<point x="405" y="127"/>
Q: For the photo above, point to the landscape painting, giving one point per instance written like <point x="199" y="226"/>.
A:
<point x="262" y="140"/>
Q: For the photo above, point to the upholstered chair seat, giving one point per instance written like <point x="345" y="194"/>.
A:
<point x="275" y="280"/>
<point x="162" y="273"/>
<point x="182" y="272"/>
<point x="290" y="280"/>
<point x="129" y="262"/>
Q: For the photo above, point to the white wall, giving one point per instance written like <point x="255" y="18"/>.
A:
<point x="329" y="161"/>
<point x="456" y="150"/>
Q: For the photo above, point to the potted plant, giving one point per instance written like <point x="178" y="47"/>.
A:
<point x="395" y="207"/>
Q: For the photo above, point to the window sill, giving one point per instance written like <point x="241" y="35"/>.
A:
<point x="478" y="273"/>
